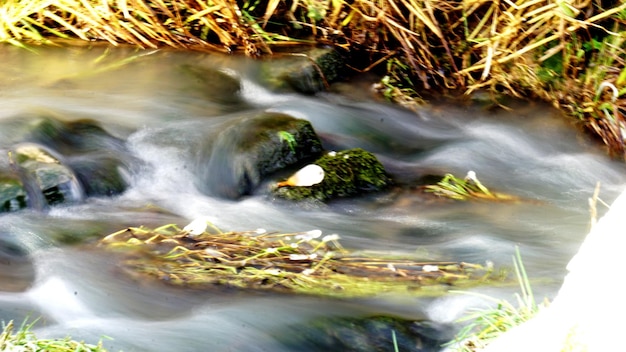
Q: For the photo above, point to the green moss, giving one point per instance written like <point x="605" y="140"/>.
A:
<point x="347" y="173"/>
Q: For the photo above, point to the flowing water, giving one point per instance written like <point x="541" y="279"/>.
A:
<point x="48" y="268"/>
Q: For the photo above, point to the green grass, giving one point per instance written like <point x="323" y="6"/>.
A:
<point x="485" y="325"/>
<point x="468" y="188"/>
<point x="24" y="340"/>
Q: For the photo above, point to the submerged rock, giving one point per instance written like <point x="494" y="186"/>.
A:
<point x="254" y="147"/>
<point x="72" y="137"/>
<point x="308" y="72"/>
<point x="100" y="174"/>
<point x="368" y="334"/>
<point x="214" y="85"/>
<point x="347" y="173"/>
<point x="17" y="270"/>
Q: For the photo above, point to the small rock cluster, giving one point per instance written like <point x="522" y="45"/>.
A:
<point x="55" y="162"/>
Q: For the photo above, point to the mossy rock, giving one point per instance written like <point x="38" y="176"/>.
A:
<point x="347" y="173"/>
<point x="307" y="72"/>
<point x="252" y="148"/>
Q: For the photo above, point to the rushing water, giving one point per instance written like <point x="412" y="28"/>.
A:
<point x="162" y="117"/>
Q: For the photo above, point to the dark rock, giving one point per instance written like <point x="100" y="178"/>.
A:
<point x="74" y="137"/>
<point x="368" y="334"/>
<point x="308" y="72"/>
<point x="45" y="175"/>
<point x="13" y="195"/>
<point x="211" y="84"/>
<point x="348" y="173"/>
<point x="252" y="148"/>
<point x="101" y="173"/>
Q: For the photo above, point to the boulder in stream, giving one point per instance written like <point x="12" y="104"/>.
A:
<point x="254" y="147"/>
<point x="308" y="72"/>
<point x="101" y="173"/>
<point x="212" y="84"/>
<point x="47" y="180"/>
<point x="346" y="173"/>
<point x="72" y="137"/>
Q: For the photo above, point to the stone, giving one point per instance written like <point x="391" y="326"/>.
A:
<point x="347" y="173"/>
<point x="100" y="173"/>
<point x="308" y="72"/>
<point x="72" y="137"/>
<point x="47" y="179"/>
<point x="253" y="147"/>
<point x="211" y="84"/>
<point x="366" y="334"/>
<point x="13" y="195"/>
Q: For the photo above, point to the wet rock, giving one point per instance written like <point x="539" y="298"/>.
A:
<point x="308" y="72"/>
<point x="215" y="85"/>
<point x="348" y="173"/>
<point x="47" y="180"/>
<point x="52" y="161"/>
<point x="101" y="173"/>
<point x="368" y="334"/>
<point x="72" y="137"/>
<point x="252" y="148"/>
<point x="17" y="271"/>
<point x="13" y="195"/>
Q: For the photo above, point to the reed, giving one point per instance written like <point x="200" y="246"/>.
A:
<point x="568" y="52"/>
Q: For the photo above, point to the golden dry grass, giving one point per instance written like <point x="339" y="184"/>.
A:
<point x="283" y="262"/>
<point x="568" y="52"/>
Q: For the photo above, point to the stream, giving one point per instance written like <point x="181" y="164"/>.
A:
<point x="160" y="118"/>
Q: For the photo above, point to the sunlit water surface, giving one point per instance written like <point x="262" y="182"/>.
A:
<point x="163" y="117"/>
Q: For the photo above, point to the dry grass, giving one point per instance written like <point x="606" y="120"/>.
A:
<point x="216" y="25"/>
<point x="568" y="52"/>
<point x="283" y="262"/>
